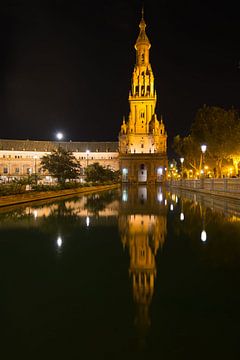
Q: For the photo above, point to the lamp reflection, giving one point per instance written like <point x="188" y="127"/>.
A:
<point x="87" y="221"/>
<point x="59" y="242"/>
<point x="203" y="236"/>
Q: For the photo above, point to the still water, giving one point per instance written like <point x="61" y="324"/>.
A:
<point x="132" y="273"/>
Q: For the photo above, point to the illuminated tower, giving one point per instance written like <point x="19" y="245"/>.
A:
<point x="142" y="139"/>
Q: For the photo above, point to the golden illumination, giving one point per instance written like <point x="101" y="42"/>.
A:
<point x="143" y="133"/>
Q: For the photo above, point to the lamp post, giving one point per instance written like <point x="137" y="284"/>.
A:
<point x="35" y="168"/>
<point x="203" y="150"/>
<point x="59" y="136"/>
<point x="87" y="154"/>
<point x="182" y="161"/>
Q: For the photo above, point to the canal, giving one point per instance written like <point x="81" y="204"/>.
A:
<point x="132" y="273"/>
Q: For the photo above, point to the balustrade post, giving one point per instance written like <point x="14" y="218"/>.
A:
<point x="225" y="184"/>
<point x="212" y="184"/>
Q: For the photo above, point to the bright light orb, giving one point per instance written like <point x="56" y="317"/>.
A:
<point x="203" y="236"/>
<point x="59" y="242"/>
<point x="181" y="160"/>
<point x="87" y="221"/>
<point x="203" y="148"/>
<point x="59" y="136"/>
<point x="171" y="207"/>
<point x="160" y="197"/>
<point x="182" y="216"/>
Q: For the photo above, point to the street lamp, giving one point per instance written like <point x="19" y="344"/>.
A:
<point x="203" y="150"/>
<point x="87" y="154"/>
<point x="35" y="168"/>
<point x="182" y="161"/>
<point x="59" y="136"/>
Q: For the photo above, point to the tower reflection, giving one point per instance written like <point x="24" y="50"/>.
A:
<point x="142" y="226"/>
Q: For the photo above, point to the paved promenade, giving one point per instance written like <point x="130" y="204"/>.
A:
<point x="10" y="200"/>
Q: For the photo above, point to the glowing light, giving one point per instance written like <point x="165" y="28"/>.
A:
<point x="59" y="136"/>
<point x="59" y="242"/>
<point x="87" y="221"/>
<point x="181" y="160"/>
<point x="160" y="197"/>
<point x="165" y="202"/>
<point x="182" y="216"/>
<point x="171" y="207"/>
<point x="160" y="171"/>
<point x="203" y="236"/>
<point x="87" y="152"/>
<point x="203" y="148"/>
<point x="124" y="171"/>
<point x="35" y="214"/>
<point x="125" y="196"/>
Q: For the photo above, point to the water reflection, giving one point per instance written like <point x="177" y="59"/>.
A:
<point x="67" y="254"/>
<point x="143" y="227"/>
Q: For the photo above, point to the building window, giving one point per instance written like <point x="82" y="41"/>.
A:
<point x="17" y="170"/>
<point x="5" y="170"/>
<point x="142" y="145"/>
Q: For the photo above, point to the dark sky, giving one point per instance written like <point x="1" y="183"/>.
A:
<point x="67" y="65"/>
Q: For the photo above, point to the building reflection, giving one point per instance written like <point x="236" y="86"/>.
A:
<point x="142" y="226"/>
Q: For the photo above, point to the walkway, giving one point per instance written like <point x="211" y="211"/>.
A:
<point x="10" y="200"/>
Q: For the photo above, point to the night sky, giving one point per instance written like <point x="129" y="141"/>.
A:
<point x="67" y="65"/>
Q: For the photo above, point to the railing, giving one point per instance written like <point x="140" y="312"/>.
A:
<point x="226" y="184"/>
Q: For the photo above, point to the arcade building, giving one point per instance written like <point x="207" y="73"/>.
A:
<point x="140" y="154"/>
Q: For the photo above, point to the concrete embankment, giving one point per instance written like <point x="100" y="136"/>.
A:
<point x="11" y="200"/>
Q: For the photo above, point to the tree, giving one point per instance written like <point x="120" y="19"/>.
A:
<point x="61" y="164"/>
<point x="189" y="149"/>
<point x="220" y="130"/>
<point x="97" y="173"/>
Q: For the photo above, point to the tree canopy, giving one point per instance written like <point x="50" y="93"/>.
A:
<point x="216" y="127"/>
<point x="61" y="164"/>
<point x="97" y="173"/>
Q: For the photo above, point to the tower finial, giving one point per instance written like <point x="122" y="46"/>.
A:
<point x="142" y="11"/>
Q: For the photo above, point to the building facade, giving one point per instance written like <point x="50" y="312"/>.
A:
<point x="142" y="139"/>
<point x="140" y="153"/>
<point x="21" y="158"/>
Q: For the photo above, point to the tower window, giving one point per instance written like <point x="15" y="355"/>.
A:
<point x="142" y="146"/>
<point x="143" y="57"/>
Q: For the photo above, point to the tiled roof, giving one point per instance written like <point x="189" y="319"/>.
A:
<point x="73" y="146"/>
